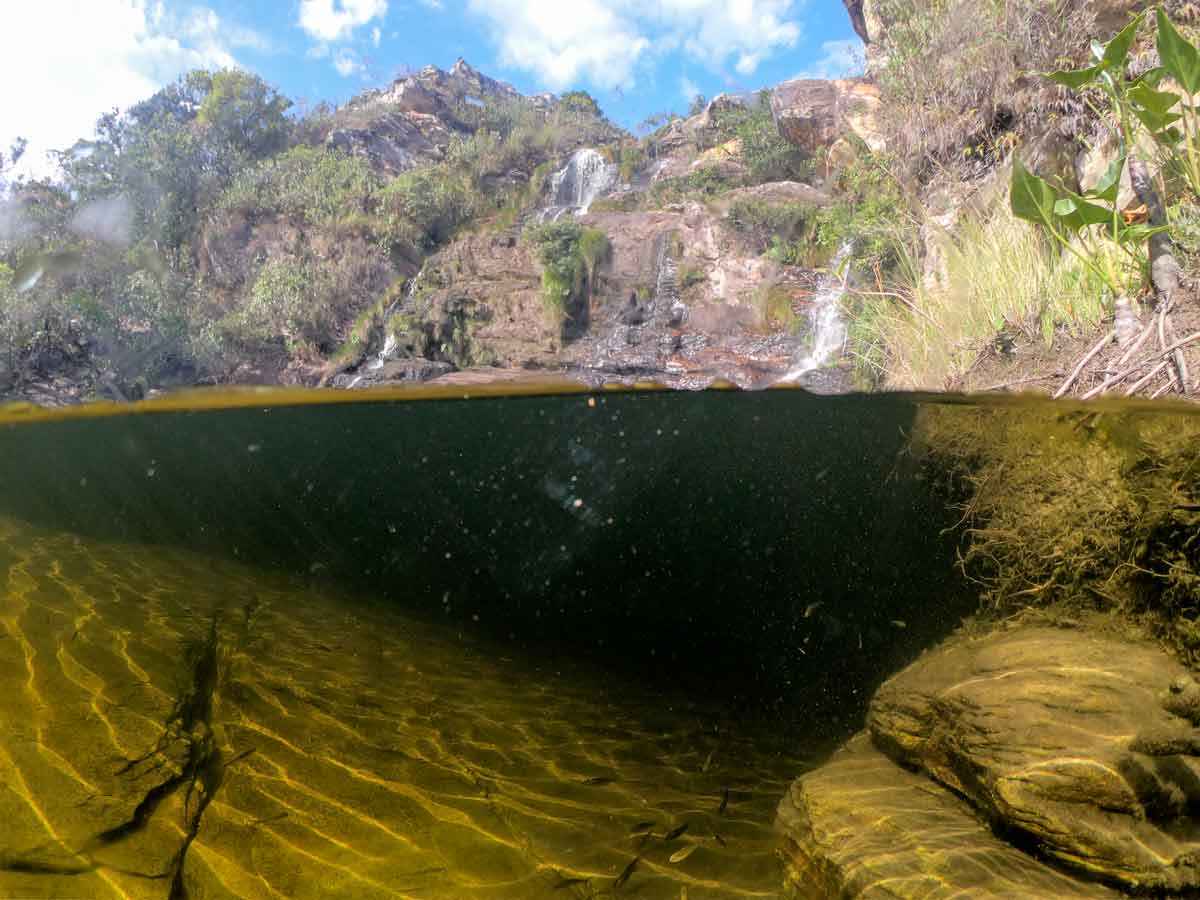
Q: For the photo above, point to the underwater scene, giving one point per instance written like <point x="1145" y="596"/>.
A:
<point x="567" y="643"/>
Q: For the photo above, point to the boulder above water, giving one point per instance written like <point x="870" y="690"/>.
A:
<point x="1080" y="749"/>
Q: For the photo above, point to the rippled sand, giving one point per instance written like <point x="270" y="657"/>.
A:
<point x="354" y="752"/>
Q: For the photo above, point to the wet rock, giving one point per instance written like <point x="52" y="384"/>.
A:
<point x="861" y="826"/>
<point x="1074" y="744"/>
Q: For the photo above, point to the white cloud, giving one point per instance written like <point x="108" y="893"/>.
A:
<point x="432" y="4"/>
<point x="76" y="61"/>
<point x="841" y="59"/>
<point x="603" y="41"/>
<point x="376" y="36"/>
<point x="333" y="20"/>
<point x="348" y="63"/>
<point x="689" y="89"/>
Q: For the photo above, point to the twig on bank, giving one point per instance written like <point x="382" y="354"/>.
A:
<point x="1146" y="378"/>
<point x="1083" y="362"/>
<point x="1180" y="363"/>
<point x="1163" y="389"/>
<point x="1125" y="373"/>
<point x="1004" y="384"/>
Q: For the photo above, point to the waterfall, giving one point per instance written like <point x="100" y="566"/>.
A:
<point x="585" y="177"/>
<point x="825" y="318"/>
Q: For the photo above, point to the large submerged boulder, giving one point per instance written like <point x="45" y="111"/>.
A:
<point x="1081" y="750"/>
<point x="861" y="826"/>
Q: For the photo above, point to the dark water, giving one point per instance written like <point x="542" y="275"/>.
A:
<point x="446" y="648"/>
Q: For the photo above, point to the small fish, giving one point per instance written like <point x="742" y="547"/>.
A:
<point x="675" y="832"/>
<point x="597" y="780"/>
<point x="641" y="827"/>
<point x="812" y="608"/>
<point x="724" y="802"/>
<point x="720" y="840"/>
<point x="899" y="623"/>
<point x="707" y="761"/>
<point x="681" y="855"/>
<point x="564" y="881"/>
<point x="626" y="872"/>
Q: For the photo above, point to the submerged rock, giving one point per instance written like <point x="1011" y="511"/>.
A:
<point x="862" y="826"/>
<point x="1078" y="749"/>
<point x="1060" y="737"/>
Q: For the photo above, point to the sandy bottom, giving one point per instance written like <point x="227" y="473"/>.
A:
<point x="341" y="750"/>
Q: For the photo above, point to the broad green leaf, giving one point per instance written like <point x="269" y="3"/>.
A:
<point x="1158" y="123"/>
<point x="1075" y="79"/>
<point x="1031" y="198"/>
<point x="1135" y="234"/>
<point x="1154" y="100"/>
<point x="1075" y="213"/>
<point x="1116" y="51"/>
<point x="1179" y="58"/>
<point x="1110" y="182"/>
<point x="1151" y="77"/>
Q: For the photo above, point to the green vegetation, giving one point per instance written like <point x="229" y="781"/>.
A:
<point x="998" y="275"/>
<point x="767" y="155"/>
<point x="219" y="232"/>
<point x="775" y="310"/>
<point x="311" y="184"/>
<point x="570" y="255"/>
<point x="786" y="232"/>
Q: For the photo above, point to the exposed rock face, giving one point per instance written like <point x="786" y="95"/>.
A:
<point x="813" y="113"/>
<point x="677" y="299"/>
<point x="412" y="122"/>
<point x="1062" y="738"/>
<point x="1078" y="748"/>
<point x="862" y="826"/>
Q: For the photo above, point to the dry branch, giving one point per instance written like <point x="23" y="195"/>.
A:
<point x="1083" y="362"/>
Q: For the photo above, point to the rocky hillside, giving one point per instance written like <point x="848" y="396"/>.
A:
<point x="446" y="222"/>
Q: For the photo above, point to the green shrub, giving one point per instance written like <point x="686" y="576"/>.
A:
<point x="763" y="224"/>
<point x="1000" y="275"/>
<point x="870" y="209"/>
<point x="570" y="255"/>
<point x="314" y="184"/>
<point x="422" y="208"/>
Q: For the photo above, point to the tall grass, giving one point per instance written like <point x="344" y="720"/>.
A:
<point x="1000" y="275"/>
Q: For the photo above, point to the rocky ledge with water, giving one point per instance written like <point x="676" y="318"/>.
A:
<point x="1031" y="762"/>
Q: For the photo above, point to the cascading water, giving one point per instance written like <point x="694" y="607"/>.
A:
<point x="825" y="317"/>
<point x="586" y="176"/>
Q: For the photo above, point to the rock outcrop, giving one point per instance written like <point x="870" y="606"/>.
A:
<point x="1080" y="750"/>
<point x="411" y="122"/>
<point x="813" y="113"/>
<point x="861" y="826"/>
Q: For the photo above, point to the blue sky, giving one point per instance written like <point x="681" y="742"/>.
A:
<point x="75" y="60"/>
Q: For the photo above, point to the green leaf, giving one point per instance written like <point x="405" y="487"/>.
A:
<point x="1135" y="234"/>
<point x="1151" y="77"/>
<point x="1075" y="79"/>
<point x="1158" y="101"/>
<point x="1076" y="213"/>
<point x="1110" y="182"/>
<point x="1031" y="198"/>
<point x="1158" y="124"/>
<point x="1179" y="58"/>
<point x="1116" y="51"/>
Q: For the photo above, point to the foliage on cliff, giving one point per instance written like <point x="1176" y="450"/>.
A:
<point x="211" y="230"/>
